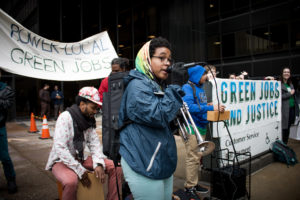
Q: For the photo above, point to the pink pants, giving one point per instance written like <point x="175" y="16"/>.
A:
<point x="69" y="179"/>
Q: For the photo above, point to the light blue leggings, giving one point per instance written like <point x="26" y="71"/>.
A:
<point x="144" y="188"/>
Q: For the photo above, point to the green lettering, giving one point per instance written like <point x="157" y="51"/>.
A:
<point x="37" y="62"/>
<point x="86" y="66"/>
<point x="241" y="91"/>
<point x="29" y="58"/>
<point x="13" y="54"/>
<point x="47" y="66"/>
<point x="56" y="66"/>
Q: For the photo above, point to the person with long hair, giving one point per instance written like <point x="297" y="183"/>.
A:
<point x="289" y="108"/>
<point x="147" y="145"/>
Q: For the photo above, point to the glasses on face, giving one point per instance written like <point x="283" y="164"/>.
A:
<point x="164" y="59"/>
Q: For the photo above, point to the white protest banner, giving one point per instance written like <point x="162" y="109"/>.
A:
<point x="26" y="53"/>
<point x="255" y="114"/>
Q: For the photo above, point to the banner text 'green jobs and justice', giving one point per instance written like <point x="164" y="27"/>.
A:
<point x="26" y="58"/>
<point x="261" y="103"/>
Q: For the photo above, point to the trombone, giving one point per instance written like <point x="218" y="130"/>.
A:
<point x="205" y="147"/>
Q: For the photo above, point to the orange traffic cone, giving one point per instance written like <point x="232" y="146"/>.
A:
<point x="45" y="129"/>
<point x="33" y="128"/>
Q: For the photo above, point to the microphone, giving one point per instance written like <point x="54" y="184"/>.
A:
<point x="184" y="65"/>
<point x="188" y="65"/>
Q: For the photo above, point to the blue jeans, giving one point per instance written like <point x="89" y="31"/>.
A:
<point x="8" y="166"/>
<point x="144" y="188"/>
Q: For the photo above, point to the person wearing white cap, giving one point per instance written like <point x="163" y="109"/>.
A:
<point x="75" y="129"/>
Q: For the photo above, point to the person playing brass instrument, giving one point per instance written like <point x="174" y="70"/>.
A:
<point x="196" y="100"/>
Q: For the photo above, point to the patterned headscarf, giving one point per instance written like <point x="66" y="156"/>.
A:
<point x="143" y="61"/>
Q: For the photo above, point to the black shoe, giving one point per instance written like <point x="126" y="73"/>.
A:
<point x="191" y="193"/>
<point x="12" y="187"/>
<point x="200" y="189"/>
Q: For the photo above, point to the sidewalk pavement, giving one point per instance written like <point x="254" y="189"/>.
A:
<point x="30" y="154"/>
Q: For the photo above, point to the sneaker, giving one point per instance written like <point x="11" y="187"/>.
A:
<point x="12" y="187"/>
<point x="200" y="189"/>
<point x="191" y="193"/>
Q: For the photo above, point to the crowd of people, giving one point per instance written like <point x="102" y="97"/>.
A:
<point x="147" y="145"/>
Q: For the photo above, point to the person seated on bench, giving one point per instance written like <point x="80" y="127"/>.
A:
<point x="75" y="129"/>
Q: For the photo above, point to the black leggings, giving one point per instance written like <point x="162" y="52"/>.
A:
<point x="286" y="132"/>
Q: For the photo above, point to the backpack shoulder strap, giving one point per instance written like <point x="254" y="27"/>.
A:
<point x="194" y="89"/>
<point x="194" y="93"/>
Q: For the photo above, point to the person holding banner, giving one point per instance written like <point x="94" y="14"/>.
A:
<point x="289" y="103"/>
<point x="197" y="102"/>
<point x="7" y="96"/>
<point x="147" y="145"/>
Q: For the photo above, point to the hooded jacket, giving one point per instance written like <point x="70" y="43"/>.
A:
<point x="6" y="101"/>
<point x="147" y="143"/>
<point x="199" y="114"/>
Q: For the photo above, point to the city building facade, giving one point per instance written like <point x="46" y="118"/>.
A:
<point x="258" y="36"/>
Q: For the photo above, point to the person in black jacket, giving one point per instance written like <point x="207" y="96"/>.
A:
<point x="45" y="101"/>
<point x="289" y="105"/>
<point x="6" y="101"/>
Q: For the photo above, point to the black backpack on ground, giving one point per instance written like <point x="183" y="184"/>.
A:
<point x="284" y="153"/>
<point x="110" y="115"/>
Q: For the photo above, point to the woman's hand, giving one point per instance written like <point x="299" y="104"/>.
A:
<point x="293" y="91"/>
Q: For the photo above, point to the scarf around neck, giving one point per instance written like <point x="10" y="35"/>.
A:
<point x="80" y="124"/>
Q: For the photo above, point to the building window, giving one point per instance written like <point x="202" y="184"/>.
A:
<point x="213" y="47"/>
<point x="211" y="10"/>
<point x="295" y="35"/>
<point x="230" y="8"/>
<point x="90" y="17"/>
<point x="279" y="39"/>
<point x="236" y="44"/>
<point x="242" y="43"/>
<point x="71" y="22"/>
<point x="264" y="3"/>
<point x="270" y="38"/>
<point x="109" y="20"/>
<point x="125" y="34"/>
<point x="228" y="45"/>
<point x="261" y="40"/>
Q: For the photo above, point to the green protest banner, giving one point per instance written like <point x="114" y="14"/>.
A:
<point x="255" y="114"/>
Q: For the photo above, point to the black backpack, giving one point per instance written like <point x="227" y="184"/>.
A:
<point x="283" y="153"/>
<point x="110" y="115"/>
